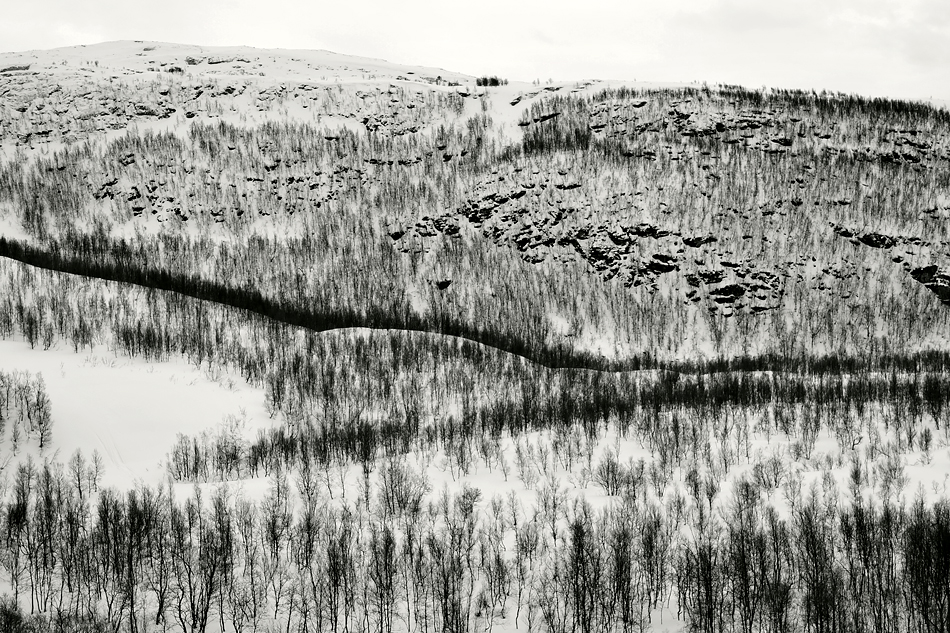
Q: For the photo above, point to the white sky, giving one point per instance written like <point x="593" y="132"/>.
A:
<point x="895" y="48"/>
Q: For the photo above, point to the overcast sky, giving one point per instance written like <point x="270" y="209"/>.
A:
<point x="896" y="48"/>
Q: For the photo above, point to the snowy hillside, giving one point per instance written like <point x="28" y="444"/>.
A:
<point x="301" y="341"/>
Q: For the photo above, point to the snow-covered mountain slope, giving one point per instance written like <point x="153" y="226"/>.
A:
<point x="570" y="356"/>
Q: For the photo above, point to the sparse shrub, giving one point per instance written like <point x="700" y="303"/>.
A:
<point x="769" y="473"/>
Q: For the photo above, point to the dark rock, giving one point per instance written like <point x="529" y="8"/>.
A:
<point x="105" y="190"/>
<point x="877" y="240"/>
<point x="546" y="117"/>
<point x="443" y="284"/>
<point x="783" y="141"/>
<point x="934" y="279"/>
<point x="696" y="242"/>
<point x="767" y="279"/>
<point x="842" y="231"/>
<point x="648" y="230"/>
<point x="662" y="263"/>
<point x="924" y="274"/>
<point x="727" y="294"/>
<point x="712" y="276"/>
<point x="476" y="213"/>
<point x="424" y="227"/>
<point x="660" y="267"/>
<point x="447" y="225"/>
<point x="396" y="235"/>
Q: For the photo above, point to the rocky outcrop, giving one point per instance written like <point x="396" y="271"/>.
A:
<point x="662" y="263"/>
<point x="935" y="279"/>
<point x="696" y="242"/>
<point x="727" y="294"/>
<point x="877" y="240"/>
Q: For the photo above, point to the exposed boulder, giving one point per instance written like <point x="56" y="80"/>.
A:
<point x="648" y="230"/>
<point x="711" y="276"/>
<point x="727" y="294"/>
<point x="696" y="242"/>
<point x="925" y="274"/>
<point x="546" y="117"/>
<point x="936" y="279"/>
<point x="662" y="263"/>
<point x="877" y="240"/>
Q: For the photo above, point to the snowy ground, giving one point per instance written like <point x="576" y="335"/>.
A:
<point x="130" y="410"/>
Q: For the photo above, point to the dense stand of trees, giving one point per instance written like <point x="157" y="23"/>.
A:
<point x="116" y="265"/>
<point x="172" y="559"/>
